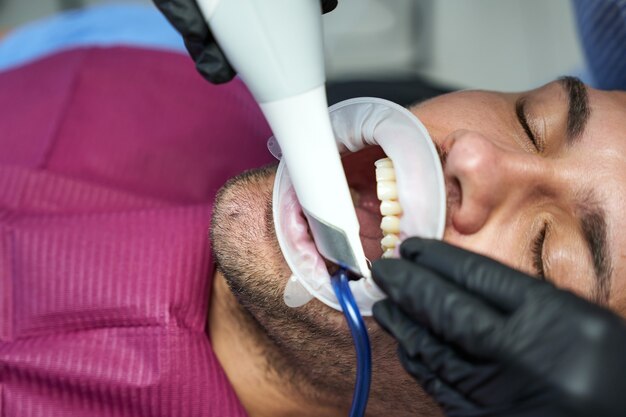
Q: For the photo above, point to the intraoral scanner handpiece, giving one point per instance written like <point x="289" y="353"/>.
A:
<point x="276" y="47"/>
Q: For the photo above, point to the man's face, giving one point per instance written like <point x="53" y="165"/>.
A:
<point x="536" y="180"/>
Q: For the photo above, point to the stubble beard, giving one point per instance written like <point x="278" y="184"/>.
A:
<point x="309" y="349"/>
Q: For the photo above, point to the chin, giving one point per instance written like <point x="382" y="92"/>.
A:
<point x="309" y="346"/>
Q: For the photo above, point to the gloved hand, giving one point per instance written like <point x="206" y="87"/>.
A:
<point x="486" y="340"/>
<point x="211" y="63"/>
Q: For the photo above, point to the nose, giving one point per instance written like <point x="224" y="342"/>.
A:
<point x="483" y="176"/>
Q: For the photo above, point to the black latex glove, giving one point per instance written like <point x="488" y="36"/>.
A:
<point x="211" y="63"/>
<point x="486" y="340"/>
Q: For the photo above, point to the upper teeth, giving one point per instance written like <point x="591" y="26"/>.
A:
<point x="387" y="192"/>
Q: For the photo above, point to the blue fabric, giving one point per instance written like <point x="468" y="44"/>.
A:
<point x="109" y="25"/>
<point x="602" y="26"/>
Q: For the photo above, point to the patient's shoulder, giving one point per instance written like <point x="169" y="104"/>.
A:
<point x="139" y="119"/>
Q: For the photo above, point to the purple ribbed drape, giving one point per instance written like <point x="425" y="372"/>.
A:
<point x="109" y="163"/>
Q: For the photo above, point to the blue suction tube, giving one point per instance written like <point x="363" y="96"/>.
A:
<point x="361" y="342"/>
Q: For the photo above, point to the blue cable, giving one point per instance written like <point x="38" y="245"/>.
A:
<point x="361" y="342"/>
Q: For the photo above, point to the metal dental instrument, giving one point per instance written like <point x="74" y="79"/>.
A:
<point x="276" y="48"/>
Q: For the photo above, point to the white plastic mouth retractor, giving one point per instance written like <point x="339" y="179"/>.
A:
<point x="358" y="123"/>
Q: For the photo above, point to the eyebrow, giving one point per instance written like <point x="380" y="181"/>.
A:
<point x="594" y="228"/>
<point x="592" y="217"/>
<point x="578" y="108"/>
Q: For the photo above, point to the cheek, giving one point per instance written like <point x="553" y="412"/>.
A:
<point x="242" y="230"/>
<point x="442" y="115"/>
<point x="618" y="297"/>
<point x="501" y="246"/>
<point x="567" y="273"/>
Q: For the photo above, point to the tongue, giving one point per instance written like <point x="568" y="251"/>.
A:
<point x="361" y="176"/>
<point x="370" y="233"/>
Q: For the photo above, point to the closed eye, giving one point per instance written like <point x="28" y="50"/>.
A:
<point x="520" y="111"/>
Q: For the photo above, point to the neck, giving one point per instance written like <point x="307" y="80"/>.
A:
<point x="242" y="351"/>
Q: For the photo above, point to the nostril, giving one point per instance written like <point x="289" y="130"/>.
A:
<point x="454" y="196"/>
<point x="454" y="192"/>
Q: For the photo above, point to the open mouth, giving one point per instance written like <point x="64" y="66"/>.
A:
<point x="377" y="207"/>
<point x="361" y="176"/>
<point x="368" y="130"/>
<point x="375" y="235"/>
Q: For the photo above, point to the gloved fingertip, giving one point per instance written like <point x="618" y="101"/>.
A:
<point x="384" y="272"/>
<point x="389" y="316"/>
<point x="328" y="5"/>
<point x="413" y="246"/>
<point x="418" y="370"/>
<point x="214" y="71"/>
